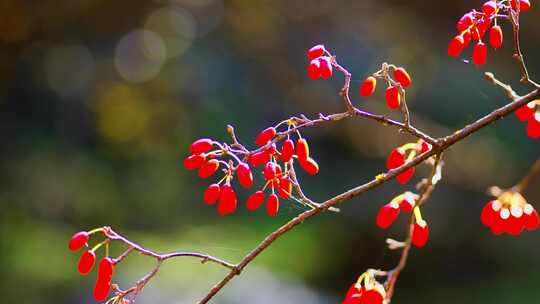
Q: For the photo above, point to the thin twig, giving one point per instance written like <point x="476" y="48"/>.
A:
<point x="518" y="55"/>
<point x="531" y="174"/>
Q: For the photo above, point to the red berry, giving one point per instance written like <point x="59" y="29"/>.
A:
<point x="86" y="262"/>
<point x="498" y="225"/>
<point x="211" y="194"/>
<point x="101" y="291"/>
<point x="481" y="28"/>
<point x="316" y="52"/>
<point x="405" y="176"/>
<point x="393" y="97"/>
<point x="265" y="136"/>
<point x="466" y="38"/>
<point x="244" y="175"/>
<point x="456" y="45"/>
<point x="227" y="200"/>
<point x="314" y="69"/>
<point x="524" y="5"/>
<point x="287" y="150"/>
<point x="515" y="221"/>
<point x="255" y="200"/>
<point x="387" y="215"/>
<point x="259" y="158"/>
<point x="285" y="188"/>
<point x="408" y="202"/>
<point x="194" y="161"/>
<point x="401" y="76"/>
<point x="272" y="205"/>
<point x="209" y="168"/>
<point x="465" y="22"/>
<point x="533" y="126"/>
<point x="269" y="170"/>
<point x="490" y="212"/>
<point x="480" y="53"/>
<point x="395" y="159"/>
<point x="374" y="295"/>
<point x="530" y="217"/>
<point x="526" y="112"/>
<point x="105" y="269"/>
<point x="368" y="86"/>
<point x="201" y="146"/>
<point x="489" y="7"/>
<point x="420" y="234"/>
<point x="302" y="149"/>
<point x="325" y="67"/>
<point x="78" y="240"/>
<point x="310" y="166"/>
<point x="496" y="37"/>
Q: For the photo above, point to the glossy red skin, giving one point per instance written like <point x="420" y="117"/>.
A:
<point x="86" y="262"/>
<point x="245" y="176"/>
<point x="272" y="205"/>
<point x="211" y="194"/>
<point x="227" y="200"/>
<point x="265" y="136"/>
<point x="387" y="215"/>
<point x="194" y="161"/>
<point x="368" y="87"/>
<point x="316" y="51"/>
<point x="255" y="201"/>
<point x="78" y="240"/>
<point x="201" y="146"/>
<point x="287" y="150"/>
<point x="402" y="76"/>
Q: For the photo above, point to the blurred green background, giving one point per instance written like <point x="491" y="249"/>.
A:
<point x="100" y="100"/>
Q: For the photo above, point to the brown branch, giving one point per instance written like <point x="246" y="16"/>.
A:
<point x="518" y="55"/>
<point x="533" y="172"/>
<point x="443" y="144"/>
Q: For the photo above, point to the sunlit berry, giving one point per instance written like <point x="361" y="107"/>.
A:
<point x="265" y="136"/>
<point x="325" y="67"/>
<point x="496" y="37"/>
<point x="269" y="171"/>
<point x="255" y="200"/>
<point x="211" y="194"/>
<point x="533" y="126"/>
<point x="526" y="112"/>
<point x="259" y="158"/>
<point x="194" y="161"/>
<point x="490" y="212"/>
<point x="466" y="35"/>
<point x="524" y="5"/>
<point x="408" y="202"/>
<point x="368" y="86"/>
<point x="374" y="295"/>
<point x="387" y="215"/>
<point x="393" y="97"/>
<point x="310" y="166"/>
<point x="245" y="177"/>
<point x="201" y="146"/>
<point x="272" y="205"/>
<point x="420" y="234"/>
<point x="480" y="53"/>
<point x="101" y="290"/>
<point x="314" y="69"/>
<point x="287" y="150"/>
<point x="285" y="188"/>
<point x="456" y="45"/>
<point x="227" y="200"/>
<point x="104" y="278"/>
<point x="464" y="22"/>
<point x="515" y="224"/>
<point x="316" y="52"/>
<point x="402" y="76"/>
<point x="86" y="262"/>
<point x="209" y="168"/>
<point x="302" y="149"/>
<point x="78" y="240"/>
<point x="530" y="217"/>
<point x="354" y="294"/>
<point x="405" y="176"/>
<point x="395" y="159"/>
<point x="489" y="8"/>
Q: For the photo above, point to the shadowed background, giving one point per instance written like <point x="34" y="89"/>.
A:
<point x="100" y="100"/>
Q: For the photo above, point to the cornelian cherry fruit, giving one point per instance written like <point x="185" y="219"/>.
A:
<point x="194" y="161"/>
<point x="302" y="149"/>
<point x="86" y="262"/>
<point x="265" y="136"/>
<point x="272" y="205"/>
<point x="244" y="175"/>
<point x="368" y="86"/>
<point x="201" y="146"/>
<point x="387" y="215"/>
<point x="209" y="168"/>
<point x="310" y="166"/>
<point x="78" y="240"/>
<point x="402" y="76"/>
<point x="255" y="200"/>
<point x="325" y="67"/>
<point x="420" y="234"/>
<point x="480" y="53"/>
<point x="496" y="37"/>
<point x="227" y="200"/>
<point x="457" y="44"/>
<point x="316" y="51"/>
<point x="393" y="97"/>
<point x="287" y="150"/>
<point x="211" y="194"/>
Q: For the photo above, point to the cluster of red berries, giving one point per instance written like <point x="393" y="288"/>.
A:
<point x="399" y="80"/>
<point x="510" y="213"/>
<point x="277" y="169"/>
<point x="475" y="24"/>
<point x="365" y="291"/>
<point x="320" y="63"/>
<point x="400" y="155"/>
<point x="530" y="113"/>
<point x="88" y="259"/>
<point x="405" y="202"/>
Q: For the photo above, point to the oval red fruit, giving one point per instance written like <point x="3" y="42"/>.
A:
<point x="255" y="200"/>
<point x="314" y="69"/>
<point x="368" y="86"/>
<point x="530" y="219"/>
<point x="302" y="149"/>
<point x="316" y="52"/>
<point x="456" y="45"/>
<point x="402" y="76"/>
<point x="533" y="126"/>
<point x="285" y="188"/>
<point x="526" y="112"/>
<point x="420" y="234"/>
<point x="287" y="150"/>
<point x="272" y="205"/>
<point x="395" y="159"/>
<point x="211" y="194"/>
<point x="496" y="37"/>
<point x="227" y="200"/>
<point x="387" y="215"/>
<point x="209" y="168"/>
<point x="194" y="161"/>
<point x="489" y="7"/>
<point x="101" y="291"/>
<point x="480" y="53"/>
<point x="524" y="5"/>
<point x="310" y="166"/>
<point x="265" y="136"/>
<point x="244" y="175"/>
<point x="201" y="146"/>
<point x="86" y="262"/>
<point x="405" y="176"/>
<point x="259" y="158"/>
<point x="465" y="22"/>
<point x="325" y="67"/>
<point x="393" y="97"/>
<point x="78" y="240"/>
<point x="105" y="269"/>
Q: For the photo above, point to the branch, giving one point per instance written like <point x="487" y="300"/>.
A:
<point x="518" y="55"/>
<point x="533" y="172"/>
